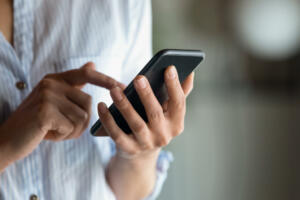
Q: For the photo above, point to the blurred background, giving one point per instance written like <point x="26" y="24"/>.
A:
<point x="241" y="139"/>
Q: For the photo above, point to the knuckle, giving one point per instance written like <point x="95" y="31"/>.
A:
<point x="180" y="103"/>
<point x="87" y="120"/>
<point x="85" y="99"/>
<point x="44" y="109"/>
<point x="148" y="146"/>
<point x="86" y="72"/>
<point x="70" y="128"/>
<point x="44" y="116"/>
<point x="133" y="152"/>
<point x="83" y="117"/>
<point x="180" y="129"/>
<point x="147" y="91"/>
<point x="123" y="105"/>
<point x="139" y="127"/>
<point x="46" y="83"/>
<point x="42" y="122"/>
<point x="118" y="139"/>
<point x="163" y="141"/>
<point x="156" y="114"/>
<point x="48" y="76"/>
<point x="80" y="117"/>
<point x="45" y="96"/>
<point x="111" y="82"/>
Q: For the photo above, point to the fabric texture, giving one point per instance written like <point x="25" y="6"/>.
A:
<point x="56" y="36"/>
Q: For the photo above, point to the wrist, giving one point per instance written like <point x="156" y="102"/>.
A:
<point x="6" y="152"/>
<point x="4" y="162"/>
<point x="141" y="168"/>
<point x="145" y="158"/>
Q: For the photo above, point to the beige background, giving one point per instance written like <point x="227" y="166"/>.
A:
<point x="241" y="140"/>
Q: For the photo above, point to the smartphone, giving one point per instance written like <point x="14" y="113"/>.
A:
<point x="185" y="62"/>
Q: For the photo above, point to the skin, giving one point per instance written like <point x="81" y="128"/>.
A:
<point x="55" y="110"/>
<point x="137" y="153"/>
<point x="6" y="19"/>
<point x="58" y="110"/>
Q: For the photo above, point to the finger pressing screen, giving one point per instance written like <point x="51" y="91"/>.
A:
<point x="88" y="74"/>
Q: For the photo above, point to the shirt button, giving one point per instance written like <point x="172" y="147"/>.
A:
<point x="34" y="197"/>
<point x="21" y="85"/>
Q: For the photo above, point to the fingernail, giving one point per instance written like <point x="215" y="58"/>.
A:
<point x="102" y="108"/>
<point x="116" y="94"/>
<point x="141" y="82"/>
<point x="172" y="72"/>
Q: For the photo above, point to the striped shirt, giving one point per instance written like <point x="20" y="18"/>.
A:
<point x="56" y="36"/>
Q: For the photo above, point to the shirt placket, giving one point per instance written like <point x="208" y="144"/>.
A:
<point x="23" y="39"/>
<point x="23" y="46"/>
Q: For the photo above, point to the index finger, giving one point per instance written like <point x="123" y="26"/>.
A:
<point x="88" y="74"/>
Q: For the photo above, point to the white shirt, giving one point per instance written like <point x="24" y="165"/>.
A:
<point x="55" y="36"/>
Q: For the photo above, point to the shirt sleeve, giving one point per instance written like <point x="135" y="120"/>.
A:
<point x="139" y="52"/>
<point x="162" y="166"/>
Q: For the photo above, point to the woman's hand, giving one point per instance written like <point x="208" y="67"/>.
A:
<point x="135" y="161"/>
<point x="165" y="122"/>
<point x="55" y="110"/>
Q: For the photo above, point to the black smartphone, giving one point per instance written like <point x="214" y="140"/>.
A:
<point x="185" y="62"/>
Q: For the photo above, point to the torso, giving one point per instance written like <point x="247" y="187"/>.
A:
<point x="55" y="36"/>
<point x="6" y="19"/>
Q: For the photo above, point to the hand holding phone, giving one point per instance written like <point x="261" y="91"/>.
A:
<point x="185" y="62"/>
